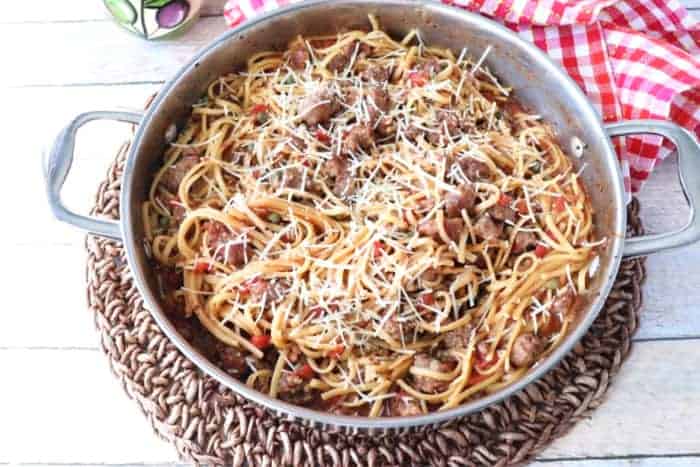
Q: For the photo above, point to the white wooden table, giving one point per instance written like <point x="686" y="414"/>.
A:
<point x="59" y="404"/>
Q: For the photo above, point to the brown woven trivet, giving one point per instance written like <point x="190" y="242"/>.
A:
<point x="209" y="424"/>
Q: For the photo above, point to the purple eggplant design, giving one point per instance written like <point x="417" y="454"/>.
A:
<point x="168" y="15"/>
<point x="172" y="13"/>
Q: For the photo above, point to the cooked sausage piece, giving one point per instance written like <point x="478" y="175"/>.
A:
<point x="174" y="175"/>
<point x="412" y="133"/>
<point x="486" y="229"/>
<point x="271" y="291"/>
<point x="430" y="65"/>
<point x="474" y="169"/>
<point x="380" y="98"/>
<point x="376" y="73"/>
<point x="403" y="405"/>
<point x="319" y="106"/>
<point x="457" y="338"/>
<point x="337" y="169"/>
<point x="453" y="228"/>
<point x="430" y="275"/>
<point x="502" y="213"/>
<point x="298" y="56"/>
<point x="385" y="127"/>
<point x="524" y="241"/>
<point x="341" y="60"/>
<point x="227" y="247"/>
<point x="177" y="209"/>
<point x="512" y="109"/>
<point x="359" y="137"/>
<point x="455" y="203"/>
<point x="232" y="360"/>
<point x="396" y="329"/>
<point x="526" y="349"/>
<point x="563" y="302"/>
<point x="291" y="178"/>
<point x="425" y="383"/>
<point x="429" y="229"/>
<point x="450" y="121"/>
<point x="434" y="137"/>
<point x="292" y="389"/>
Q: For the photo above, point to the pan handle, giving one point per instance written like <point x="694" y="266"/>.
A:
<point x="59" y="163"/>
<point x="689" y="173"/>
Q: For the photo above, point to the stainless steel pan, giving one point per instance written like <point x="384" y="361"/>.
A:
<point x="538" y="83"/>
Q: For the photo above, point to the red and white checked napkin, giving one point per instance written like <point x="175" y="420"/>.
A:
<point x="633" y="58"/>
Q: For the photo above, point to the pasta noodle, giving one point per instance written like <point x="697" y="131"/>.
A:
<point x="369" y="226"/>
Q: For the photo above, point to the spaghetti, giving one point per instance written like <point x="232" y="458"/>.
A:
<point x="369" y="227"/>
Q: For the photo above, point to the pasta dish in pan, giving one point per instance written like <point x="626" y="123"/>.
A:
<point x="369" y="227"/>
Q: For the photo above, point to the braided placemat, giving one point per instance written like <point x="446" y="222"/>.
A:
<point x="209" y="424"/>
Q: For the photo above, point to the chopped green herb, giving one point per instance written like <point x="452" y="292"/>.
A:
<point x="262" y="117"/>
<point x="552" y="284"/>
<point x="289" y="79"/>
<point x="274" y="218"/>
<point x="164" y="221"/>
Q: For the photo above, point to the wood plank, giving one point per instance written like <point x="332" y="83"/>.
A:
<point x="99" y="52"/>
<point x="670" y="292"/>
<point x="633" y="461"/>
<point x="69" y="403"/>
<point x="91" y="420"/>
<point x="651" y="410"/>
<point x="48" y="11"/>
<point x="55" y="318"/>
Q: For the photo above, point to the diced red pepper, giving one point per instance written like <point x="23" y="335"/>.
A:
<point x="333" y="402"/>
<point x="202" y="267"/>
<point x="316" y="311"/>
<point x="521" y="205"/>
<point x="553" y="325"/>
<point x="322" y="43"/>
<point x="378" y="247"/>
<point x="418" y="78"/>
<point x="483" y="364"/>
<point x="476" y="378"/>
<point x="541" y="250"/>
<point x="336" y="351"/>
<point x="505" y="200"/>
<point x="322" y="136"/>
<point x="261" y="341"/>
<point x="257" y="108"/>
<point x="426" y="299"/>
<point x="246" y="287"/>
<point x="559" y="204"/>
<point x="305" y="371"/>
